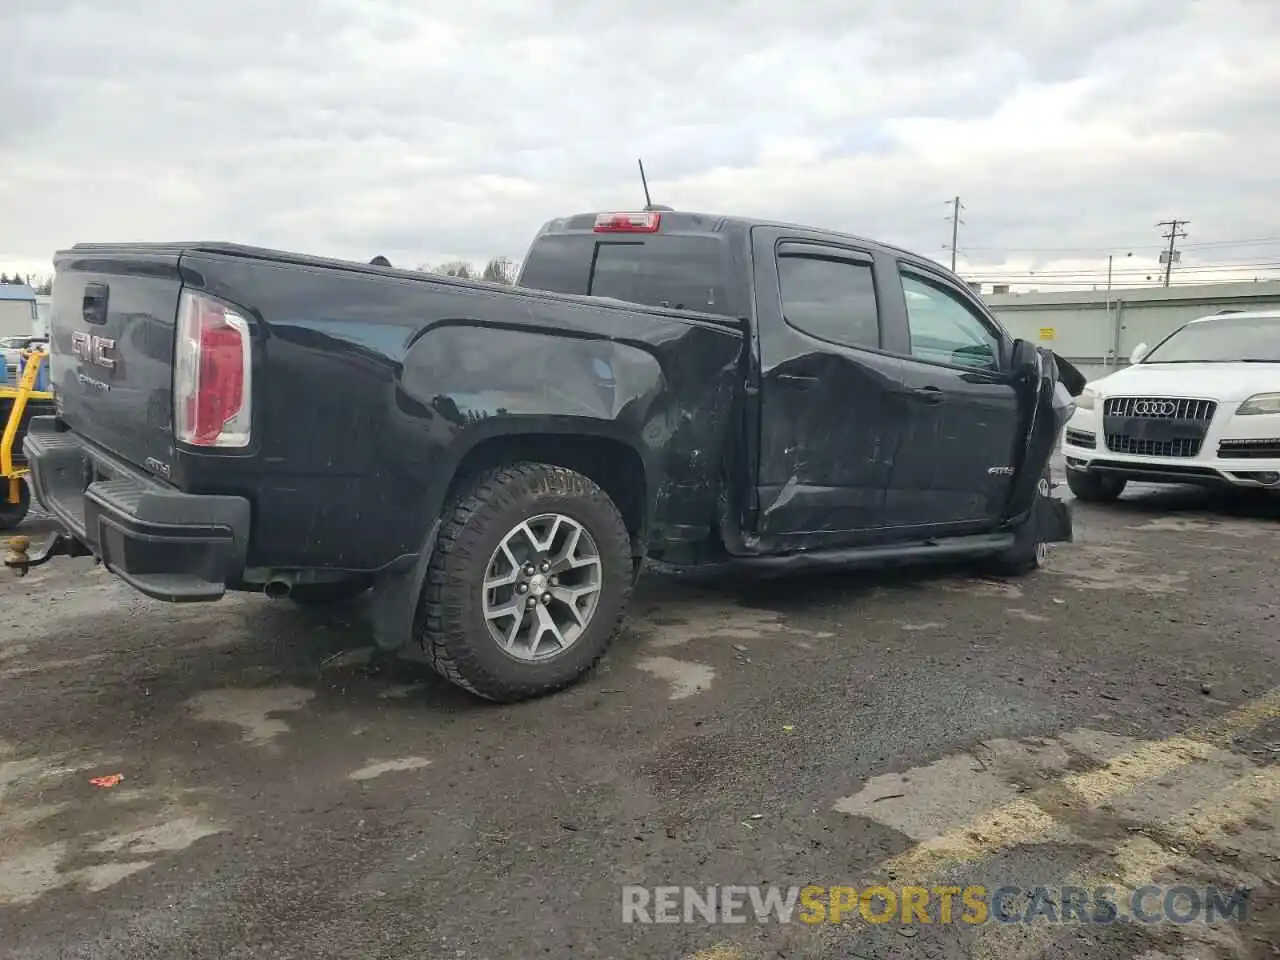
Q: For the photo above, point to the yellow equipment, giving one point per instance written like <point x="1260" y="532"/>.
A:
<point x="16" y="406"/>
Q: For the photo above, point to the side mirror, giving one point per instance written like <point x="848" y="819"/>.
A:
<point x="1025" y="356"/>
<point x="1139" y="352"/>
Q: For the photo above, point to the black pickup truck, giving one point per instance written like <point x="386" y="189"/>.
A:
<point x="492" y="465"/>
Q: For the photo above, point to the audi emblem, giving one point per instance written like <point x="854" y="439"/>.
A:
<point x="1155" y="408"/>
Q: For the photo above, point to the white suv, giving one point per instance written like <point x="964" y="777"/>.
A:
<point x="1202" y="406"/>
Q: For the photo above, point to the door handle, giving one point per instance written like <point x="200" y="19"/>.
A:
<point x="928" y="394"/>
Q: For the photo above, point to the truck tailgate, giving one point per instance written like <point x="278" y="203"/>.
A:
<point x="111" y="342"/>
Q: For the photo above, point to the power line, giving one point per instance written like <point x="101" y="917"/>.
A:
<point x="1133" y="284"/>
<point x="1243" y="242"/>
<point x="989" y="272"/>
<point x="1175" y="233"/>
<point x="1248" y="241"/>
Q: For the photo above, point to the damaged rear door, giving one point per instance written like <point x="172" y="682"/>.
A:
<point x="831" y="404"/>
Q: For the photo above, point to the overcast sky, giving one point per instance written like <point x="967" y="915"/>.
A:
<point x="425" y="130"/>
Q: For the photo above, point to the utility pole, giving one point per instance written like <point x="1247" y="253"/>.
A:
<point x="1114" y="321"/>
<point x="956" y="207"/>
<point x="1175" y="232"/>
<point x="1110" y="322"/>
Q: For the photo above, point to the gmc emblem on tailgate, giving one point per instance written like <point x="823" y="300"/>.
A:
<point x="96" y="350"/>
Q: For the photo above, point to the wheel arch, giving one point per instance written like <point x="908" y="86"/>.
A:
<point x="613" y="464"/>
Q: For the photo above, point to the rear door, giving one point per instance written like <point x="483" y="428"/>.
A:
<point x="831" y="403"/>
<point x="959" y="445"/>
<point x="111" y="341"/>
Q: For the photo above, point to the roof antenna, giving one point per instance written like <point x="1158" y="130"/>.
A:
<point x="644" y="182"/>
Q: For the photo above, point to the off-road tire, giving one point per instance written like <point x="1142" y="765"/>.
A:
<point x="1019" y="561"/>
<point x="326" y="594"/>
<point x="1095" y="488"/>
<point x="450" y="625"/>
<point x="12" y="514"/>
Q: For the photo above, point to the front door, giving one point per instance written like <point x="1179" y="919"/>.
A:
<point x="831" y="401"/>
<point x="958" y="449"/>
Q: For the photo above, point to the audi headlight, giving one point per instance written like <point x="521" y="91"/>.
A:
<point x="1087" y="396"/>
<point x="1260" y="403"/>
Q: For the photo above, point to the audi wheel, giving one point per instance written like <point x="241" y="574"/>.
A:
<point x="1095" y="487"/>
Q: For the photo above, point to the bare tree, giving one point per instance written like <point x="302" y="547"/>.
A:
<point x="498" y="270"/>
<point x="455" y="268"/>
<point x="495" y="270"/>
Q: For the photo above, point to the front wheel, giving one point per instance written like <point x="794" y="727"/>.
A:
<point x="1029" y="551"/>
<point x="12" y="514"/>
<point x="528" y="583"/>
<point x="1095" y="487"/>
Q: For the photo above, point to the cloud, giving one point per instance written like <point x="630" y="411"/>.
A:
<point x="426" y="132"/>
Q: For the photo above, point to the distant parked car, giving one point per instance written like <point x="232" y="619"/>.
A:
<point x="11" y="350"/>
<point x="1200" y="407"/>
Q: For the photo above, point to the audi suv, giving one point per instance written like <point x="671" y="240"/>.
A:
<point x="1202" y="407"/>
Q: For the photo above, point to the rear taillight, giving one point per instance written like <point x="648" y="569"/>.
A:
<point x="628" y="222"/>
<point x="212" y="402"/>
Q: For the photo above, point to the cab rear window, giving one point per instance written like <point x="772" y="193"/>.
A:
<point x="682" y="272"/>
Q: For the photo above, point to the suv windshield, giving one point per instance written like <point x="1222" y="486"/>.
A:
<point x="1221" y="340"/>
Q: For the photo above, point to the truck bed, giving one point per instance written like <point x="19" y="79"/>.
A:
<point x="372" y="385"/>
<point x="222" y="248"/>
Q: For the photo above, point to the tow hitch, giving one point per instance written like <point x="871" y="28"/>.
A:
<point x="20" y="557"/>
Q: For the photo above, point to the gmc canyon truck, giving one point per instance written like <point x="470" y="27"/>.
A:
<point x="492" y="465"/>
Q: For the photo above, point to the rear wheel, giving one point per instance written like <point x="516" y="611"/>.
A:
<point x="1095" y="487"/>
<point x="12" y="514"/>
<point x="529" y="580"/>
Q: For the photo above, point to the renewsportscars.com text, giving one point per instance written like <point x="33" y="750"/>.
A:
<point x="933" y="905"/>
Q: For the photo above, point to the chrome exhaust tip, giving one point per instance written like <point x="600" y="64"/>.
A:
<point x="277" y="589"/>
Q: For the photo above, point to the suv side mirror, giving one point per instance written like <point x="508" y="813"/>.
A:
<point x="1139" y="352"/>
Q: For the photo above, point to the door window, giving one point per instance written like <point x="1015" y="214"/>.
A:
<point x="945" y="329"/>
<point x="834" y="300"/>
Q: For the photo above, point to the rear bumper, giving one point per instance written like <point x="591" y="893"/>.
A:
<point x="170" y="545"/>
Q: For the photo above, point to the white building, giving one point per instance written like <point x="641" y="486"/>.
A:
<point x="1097" y="331"/>
<point x="18" y="316"/>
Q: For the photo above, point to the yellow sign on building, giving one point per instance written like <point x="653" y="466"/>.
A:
<point x="1046" y="333"/>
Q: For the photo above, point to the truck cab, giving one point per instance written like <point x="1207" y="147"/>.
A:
<point x="882" y="402"/>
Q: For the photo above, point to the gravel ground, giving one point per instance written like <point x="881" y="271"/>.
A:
<point x="287" y="794"/>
